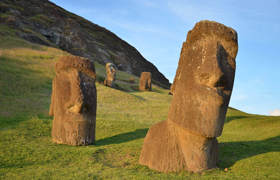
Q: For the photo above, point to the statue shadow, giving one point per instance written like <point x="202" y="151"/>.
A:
<point x="122" y="138"/>
<point x="231" y="152"/>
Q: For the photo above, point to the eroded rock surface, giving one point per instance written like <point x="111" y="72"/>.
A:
<point x="202" y="90"/>
<point x="110" y="75"/>
<point x="73" y="101"/>
<point x="145" y="82"/>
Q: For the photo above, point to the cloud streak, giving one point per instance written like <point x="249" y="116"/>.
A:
<point x="275" y="112"/>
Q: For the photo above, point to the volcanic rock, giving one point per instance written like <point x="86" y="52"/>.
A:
<point x="204" y="81"/>
<point x="73" y="101"/>
<point x="145" y="82"/>
<point x="110" y="75"/>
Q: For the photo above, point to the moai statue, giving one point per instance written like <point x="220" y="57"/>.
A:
<point x="145" y="82"/>
<point x="73" y="101"/>
<point x="171" y="90"/>
<point x="110" y="75"/>
<point x="204" y="81"/>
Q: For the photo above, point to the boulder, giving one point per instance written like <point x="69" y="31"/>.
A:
<point x="110" y="75"/>
<point x="204" y="82"/>
<point x="73" y="101"/>
<point x="145" y="83"/>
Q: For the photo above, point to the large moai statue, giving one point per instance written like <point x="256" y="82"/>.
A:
<point x="110" y="75"/>
<point x="73" y="101"/>
<point x="204" y="81"/>
<point x="145" y="82"/>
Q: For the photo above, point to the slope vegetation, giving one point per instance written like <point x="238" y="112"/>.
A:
<point x="42" y="22"/>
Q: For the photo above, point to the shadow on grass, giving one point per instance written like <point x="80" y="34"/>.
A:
<point x="231" y="152"/>
<point x="157" y="91"/>
<point x="122" y="138"/>
<point x="139" y="97"/>
<point x="12" y="122"/>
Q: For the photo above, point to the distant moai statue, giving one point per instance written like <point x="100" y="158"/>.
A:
<point x="204" y="82"/>
<point x="172" y="89"/>
<point x="110" y="75"/>
<point x="145" y="83"/>
<point x="73" y="101"/>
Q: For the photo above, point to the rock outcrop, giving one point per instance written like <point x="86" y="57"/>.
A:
<point x="145" y="81"/>
<point x="73" y="101"/>
<point x="204" y="81"/>
<point x="110" y="75"/>
<point x="43" y="22"/>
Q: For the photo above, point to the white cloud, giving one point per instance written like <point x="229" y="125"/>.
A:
<point x="275" y="112"/>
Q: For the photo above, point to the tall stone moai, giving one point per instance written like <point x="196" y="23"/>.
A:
<point x="73" y="101"/>
<point x="145" y="82"/>
<point x="110" y="75"/>
<point x="204" y="81"/>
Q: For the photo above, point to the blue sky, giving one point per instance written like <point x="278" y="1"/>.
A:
<point x="157" y="28"/>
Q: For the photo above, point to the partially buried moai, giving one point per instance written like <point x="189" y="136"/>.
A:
<point x="73" y="101"/>
<point x="145" y="82"/>
<point x="204" y="81"/>
<point x="110" y="75"/>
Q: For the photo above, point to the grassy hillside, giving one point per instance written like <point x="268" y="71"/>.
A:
<point x="43" y="22"/>
<point x="249" y="146"/>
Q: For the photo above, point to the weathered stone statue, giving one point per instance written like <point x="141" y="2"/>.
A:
<point x="73" y="101"/>
<point x="204" y="81"/>
<point x="172" y="89"/>
<point x="110" y="75"/>
<point x="145" y="83"/>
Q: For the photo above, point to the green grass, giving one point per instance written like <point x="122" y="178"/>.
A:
<point x="249" y="145"/>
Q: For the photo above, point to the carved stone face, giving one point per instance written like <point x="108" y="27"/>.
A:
<point x="145" y="82"/>
<point x="74" y="103"/>
<point x="110" y="75"/>
<point x="76" y="93"/>
<point x="204" y="82"/>
<point x="201" y="93"/>
<point x="110" y="71"/>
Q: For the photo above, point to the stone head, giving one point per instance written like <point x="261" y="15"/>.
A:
<point x="111" y="71"/>
<point x="74" y="101"/>
<point x="75" y="76"/>
<point x="204" y="78"/>
<point x="145" y="82"/>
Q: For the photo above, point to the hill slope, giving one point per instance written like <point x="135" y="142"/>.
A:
<point x="249" y="145"/>
<point x="42" y="22"/>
